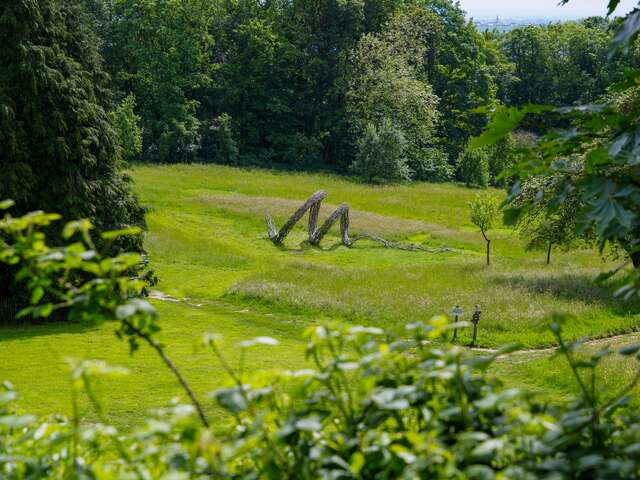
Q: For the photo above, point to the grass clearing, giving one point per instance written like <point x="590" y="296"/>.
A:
<point x="549" y="374"/>
<point x="207" y="242"/>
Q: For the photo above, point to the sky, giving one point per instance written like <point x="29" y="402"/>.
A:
<point x="541" y="8"/>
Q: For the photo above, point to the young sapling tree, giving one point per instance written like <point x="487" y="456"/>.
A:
<point x="484" y="214"/>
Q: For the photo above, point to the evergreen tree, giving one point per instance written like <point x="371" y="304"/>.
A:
<point x="58" y="150"/>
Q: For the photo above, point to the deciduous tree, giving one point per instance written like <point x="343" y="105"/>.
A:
<point x="484" y="215"/>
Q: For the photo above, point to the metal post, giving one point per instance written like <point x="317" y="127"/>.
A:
<point x="457" y="313"/>
<point x="455" y="330"/>
<point x="475" y="319"/>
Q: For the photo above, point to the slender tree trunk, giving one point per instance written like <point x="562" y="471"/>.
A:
<point x="486" y="239"/>
<point x="488" y="252"/>
<point x="549" y="253"/>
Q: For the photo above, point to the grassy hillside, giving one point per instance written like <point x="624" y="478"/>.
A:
<point x="207" y="242"/>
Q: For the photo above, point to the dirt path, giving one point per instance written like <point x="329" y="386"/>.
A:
<point x="596" y="342"/>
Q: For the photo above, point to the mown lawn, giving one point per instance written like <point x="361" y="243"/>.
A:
<point x="207" y="242"/>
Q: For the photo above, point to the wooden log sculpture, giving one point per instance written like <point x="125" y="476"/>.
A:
<point x="316" y="234"/>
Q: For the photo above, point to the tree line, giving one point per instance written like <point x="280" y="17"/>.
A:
<point x="387" y="89"/>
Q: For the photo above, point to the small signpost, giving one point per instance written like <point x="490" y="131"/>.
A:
<point x="457" y="313"/>
<point x="475" y="319"/>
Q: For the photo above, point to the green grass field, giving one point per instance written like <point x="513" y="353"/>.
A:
<point x="207" y="242"/>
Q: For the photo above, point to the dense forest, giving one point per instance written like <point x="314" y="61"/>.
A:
<point x="386" y="90"/>
<point x="321" y="84"/>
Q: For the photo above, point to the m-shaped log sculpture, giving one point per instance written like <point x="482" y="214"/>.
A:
<point x="317" y="234"/>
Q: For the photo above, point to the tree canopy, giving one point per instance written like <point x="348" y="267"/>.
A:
<point x="58" y="148"/>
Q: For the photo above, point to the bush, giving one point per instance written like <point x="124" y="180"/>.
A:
<point x="376" y="404"/>
<point x="127" y="126"/>
<point x="178" y="138"/>
<point x="432" y="166"/>
<point x="380" y="154"/>
<point x="219" y="141"/>
<point x="473" y="167"/>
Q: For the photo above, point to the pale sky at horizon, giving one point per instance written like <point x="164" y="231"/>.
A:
<point x="541" y="8"/>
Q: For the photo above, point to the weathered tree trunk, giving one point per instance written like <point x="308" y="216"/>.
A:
<point x="278" y="237"/>
<point x="317" y="234"/>
<point x="342" y="213"/>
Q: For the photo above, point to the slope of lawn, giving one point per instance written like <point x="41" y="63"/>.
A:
<point x="548" y="374"/>
<point x="208" y="240"/>
<point x="207" y="243"/>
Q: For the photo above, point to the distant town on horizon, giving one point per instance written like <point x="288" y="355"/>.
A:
<point x="510" y="23"/>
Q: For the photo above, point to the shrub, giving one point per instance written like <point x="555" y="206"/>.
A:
<point x="178" y="138"/>
<point x="432" y="166"/>
<point x="380" y="154"/>
<point x="127" y="126"/>
<point x="473" y="167"/>
<point x="376" y="404"/>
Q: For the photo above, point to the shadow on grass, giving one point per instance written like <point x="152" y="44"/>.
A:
<point x="579" y="287"/>
<point x="27" y="330"/>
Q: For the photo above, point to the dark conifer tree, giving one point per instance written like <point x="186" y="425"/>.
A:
<point x="58" y="151"/>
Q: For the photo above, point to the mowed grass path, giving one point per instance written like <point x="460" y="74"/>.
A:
<point x="207" y="242"/>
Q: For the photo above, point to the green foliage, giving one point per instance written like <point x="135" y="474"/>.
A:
<point x="563" y="63"/>
<point x="383" y="84"/>
<point x="294" y="76"/>
<point x="160" y="50"/>
<point x="473" y="167"/>
<point x="376" y="404"/>
<point x="57" y="146"/>
<point x="547" y="224"/>
<point x="502" y="156"/>
<point x="380" y="154"/>
<point x="467" y="74"/>
<point x="484" y="211"/>
<point x="432" y="166"/>
<point x="484" y="215"/>
<point x="127" y="126"/>
<point x="219" y="141"/>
